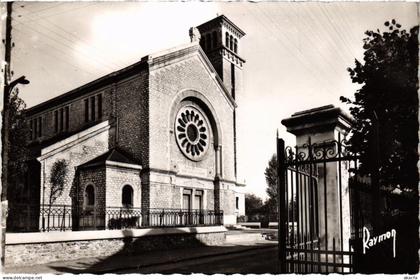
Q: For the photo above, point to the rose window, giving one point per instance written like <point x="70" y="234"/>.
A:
<point x="191" y="132"/>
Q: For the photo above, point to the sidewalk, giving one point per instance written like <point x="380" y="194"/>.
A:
<point x="115" y="263"/>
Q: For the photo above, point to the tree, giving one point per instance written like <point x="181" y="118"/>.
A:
<point x="385" y="134"/>
<point x="253" y="204"/>
<point x="271" y="205"/>
<point x="388" y="100"/>
<point x="58" y="176"/>
<point x="18" y="152"/>
<point x="271" y="179"/>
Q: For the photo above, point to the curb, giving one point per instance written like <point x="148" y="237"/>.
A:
<point x="113" y="270"/>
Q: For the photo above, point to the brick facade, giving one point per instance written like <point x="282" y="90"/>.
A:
<point x="198" y="88"/>
<point x="76" y="116"/>
<point x="139" y="105"/>
<point x="132" y="111"/>
<point x="96" y="178"/>
<point x="116" y="179"/>
<point x="75" y="150"/>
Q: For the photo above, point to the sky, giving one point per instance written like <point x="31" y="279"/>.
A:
<point x="296" y="54"/>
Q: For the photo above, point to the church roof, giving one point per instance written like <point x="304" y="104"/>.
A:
<point x="222" y="18"/>
<point x="113" y="155"/>
<point x="146" y="62"/>
<point x="89" y="87"/>
<point x="162" y="58"/>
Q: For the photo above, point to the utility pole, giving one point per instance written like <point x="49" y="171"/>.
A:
<point x="7" y="90"/>
<point x="5" y="129"/>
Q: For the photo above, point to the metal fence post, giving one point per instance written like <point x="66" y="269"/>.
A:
<point x="282" y="207"/>
<point x="43" y="219"/>
<point x="63" y="221"/>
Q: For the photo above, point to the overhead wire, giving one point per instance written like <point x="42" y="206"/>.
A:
<point x="23" y="31"/>
<point x="20" y="8"/>
<point x="340" y="44"/>
<point x="39" y="16"/>
<point x="290" y="45"/>
<point x="345" y="43"/>
<point x="68" y="45"/>
<point x="309" y="25"/>
<point x="305" y="15"/>
<point x="292" y="48"/>
<point x="346" y="20"/>
<point x="99" y="52"/>
<point x="94" y="51"/>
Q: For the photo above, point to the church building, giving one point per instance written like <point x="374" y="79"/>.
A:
<point x="158" y="134"/>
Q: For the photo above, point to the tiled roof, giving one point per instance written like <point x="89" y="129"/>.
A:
<point x="112" y="155"/>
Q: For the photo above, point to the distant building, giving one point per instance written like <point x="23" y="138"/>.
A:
<point x="160" y="133"/>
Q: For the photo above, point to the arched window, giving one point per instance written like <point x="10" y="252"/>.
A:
<point x="227" y="40"/>
<point x="90" y="196"/>
<point x="208" y="41"/>
<point x="231" y="42"/>
<point x="214" y="35"/>
<point x="235" y="46"/>
<point x="127" y="196"/>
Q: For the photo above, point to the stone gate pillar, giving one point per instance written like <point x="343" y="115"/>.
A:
<point x="325" y="125"/>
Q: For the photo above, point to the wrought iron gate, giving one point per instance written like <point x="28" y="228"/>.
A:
<point x="317" y="227"/>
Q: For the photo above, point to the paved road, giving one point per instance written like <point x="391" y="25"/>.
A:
<point x="257" y="261"/>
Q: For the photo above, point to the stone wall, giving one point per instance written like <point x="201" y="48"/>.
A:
<point x="116" y="179"/>
<point x="75" y="150"/>
<point x="170" y="196"/>
<point x="96" y="178"/>
<point x="197" y="82"/>
<point x="167" y="190"/>
<point x="165" y="196"/>
<point x="199" y="88"/>
<point x="77" y="245"/>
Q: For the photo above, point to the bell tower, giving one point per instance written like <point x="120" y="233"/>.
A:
<point x="220" y="40"/>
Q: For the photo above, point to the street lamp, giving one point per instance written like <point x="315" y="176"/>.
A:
<point x="21" y="80"/>
<point x="7" y="90"/>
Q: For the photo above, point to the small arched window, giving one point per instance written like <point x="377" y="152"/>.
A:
<point x="227" y="40"/>
<point x="235" y="46"/>
<point x="231" y="42"/>
<point x="90" y="196"/>
<point x="214" y="38"/>
<point x="127" y="196"/>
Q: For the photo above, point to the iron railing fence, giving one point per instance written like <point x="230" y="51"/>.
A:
<point x="315" y="204"/>
<point x="66" y="217"/>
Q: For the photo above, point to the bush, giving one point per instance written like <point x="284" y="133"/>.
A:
<point x="241" y="219"/>
<point x="265" y="222"/>
<point x="121" y="223"/>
